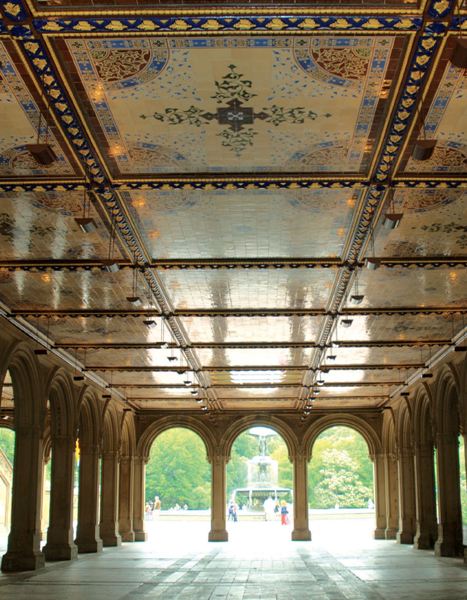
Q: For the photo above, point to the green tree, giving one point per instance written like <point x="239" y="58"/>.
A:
<point x="7" y="443"/>
<point x="340" y="471"/>
<point x="177" y="470"/>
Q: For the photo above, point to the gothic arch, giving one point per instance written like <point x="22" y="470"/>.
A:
<point x="356" y="423"/>
<point x="242" y="425"/>
<point x="157" y="427"/>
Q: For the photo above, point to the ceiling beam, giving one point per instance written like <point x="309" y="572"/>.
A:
<point x="233" y="263"/>
<point x="253" y="345"/>
<point x="228" y="369"/>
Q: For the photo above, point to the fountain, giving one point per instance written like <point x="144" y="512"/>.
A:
<point x="263" y="476"/>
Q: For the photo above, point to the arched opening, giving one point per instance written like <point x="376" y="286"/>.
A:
<point x="340" y="484"/>
<point x="177" y="486"/>
<point x="463" y="486"/>
<point x="259" y="484"/>
<point x="7" y="456"/>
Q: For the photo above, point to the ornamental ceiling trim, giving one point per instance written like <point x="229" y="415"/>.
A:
<point x="437" y="10"/>
<point x="220" y="25"/>
<point x="233" y="182"/>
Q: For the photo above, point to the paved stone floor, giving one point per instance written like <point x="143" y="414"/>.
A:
<point x="341" y="563"/>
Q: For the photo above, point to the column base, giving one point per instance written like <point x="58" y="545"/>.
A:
<point x="424" y="541"/>
<point x="140" y="536"/>
<point x="405" y="537"/>
<point x="380" y="533"/>
<point x="449" y="549"/>
<point x="218" y="535"/>
<point x="111" y="540"/>
<point x="301" y="535"/>
<point x="60" y="552"/>
<point x="16" y="561"/>
<point x="128" y="536"/>
<point x="87" y="547"/>
<point x="391" y="533"/>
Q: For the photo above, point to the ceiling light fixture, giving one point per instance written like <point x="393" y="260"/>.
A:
<point x="134" y="298"/>
<point x="372" y="263"/>
<point x="110" y="265"/>
<point x="42" y="152"/>
<point x="86" y="223"/>
<point x="392" y="218"/>
<point x="356" y="297"/>
<point x="346" y="322"/>
<point x="423" y="149"/>
<point x="150" y="323"/>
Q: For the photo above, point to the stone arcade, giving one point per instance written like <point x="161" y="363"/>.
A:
<point x="218" y="219"/>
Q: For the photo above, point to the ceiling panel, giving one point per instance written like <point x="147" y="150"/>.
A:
<point x="226" y="104"/>
<point x="401" y="327"/>
<point x="410" y="287"/>
<point x="249" y="288"/>
<point x="78" y="290"/>
<point x="251" y="329"/>
<point x="254" y="356"/>
<point x="434" y="223"/>
<point x="245" y="223"/>
<point x="42" y="225"/>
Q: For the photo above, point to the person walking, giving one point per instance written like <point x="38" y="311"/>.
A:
<point x="284" y="513"/>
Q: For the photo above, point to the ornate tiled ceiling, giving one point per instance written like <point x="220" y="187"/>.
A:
<point x="238" y="165"/>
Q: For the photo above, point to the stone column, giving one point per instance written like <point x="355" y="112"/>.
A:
<point x="139" y="485"/>
<point x="109" y="499"/>
<point x="301" y="531"/>
<point x="426" y="528"/>
<point x="218" y="531"/>
<point x="391" y="487"/>
<point x="60" y="545"/>
<point x="449" y="542"/>
<point x="380" y="496"/>
<point x="406" y="532"/>
<point x="87" y="532"/>
<point x="23" y="553"/>
<point x="125" y="515"/>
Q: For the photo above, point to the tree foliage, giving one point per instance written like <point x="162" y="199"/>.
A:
<point x="178" y="471"/>
<point x="7" y="443"/>
<point x="340" y="471"/>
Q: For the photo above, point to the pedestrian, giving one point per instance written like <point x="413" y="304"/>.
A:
<point x="284" y="513"/>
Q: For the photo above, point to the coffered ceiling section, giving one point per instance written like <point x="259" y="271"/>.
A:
<point x="227" y="104"/>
